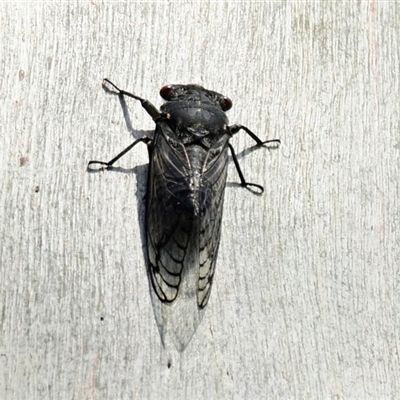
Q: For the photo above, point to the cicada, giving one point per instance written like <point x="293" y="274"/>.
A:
<point x="187" y="174"/>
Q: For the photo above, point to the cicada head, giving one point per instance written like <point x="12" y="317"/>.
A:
<point x="196" y="94"/>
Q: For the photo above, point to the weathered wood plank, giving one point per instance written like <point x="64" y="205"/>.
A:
<point x="305" y="302"/>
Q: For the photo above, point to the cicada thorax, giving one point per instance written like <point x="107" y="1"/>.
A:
<point x="194" y="145"/>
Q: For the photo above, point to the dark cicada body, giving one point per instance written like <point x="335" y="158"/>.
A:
<point x="184" y="202"/>
<point x="187" y="177"/>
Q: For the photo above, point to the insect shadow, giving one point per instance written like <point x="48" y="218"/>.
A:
<point x="141" y="172"/>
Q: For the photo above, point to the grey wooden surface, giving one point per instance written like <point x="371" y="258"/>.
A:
<point x="306" y="299"/>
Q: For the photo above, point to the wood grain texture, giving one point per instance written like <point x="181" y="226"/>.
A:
<point x="306" y="300"/>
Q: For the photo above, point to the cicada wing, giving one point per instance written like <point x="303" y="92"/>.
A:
<point x="211" y="207"/>
<point x="169" y="225"/>
<point x="172" y="242"/>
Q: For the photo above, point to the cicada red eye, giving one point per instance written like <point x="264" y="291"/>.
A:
<point x="227" y="104"/>
<point x="165" y="91"/>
